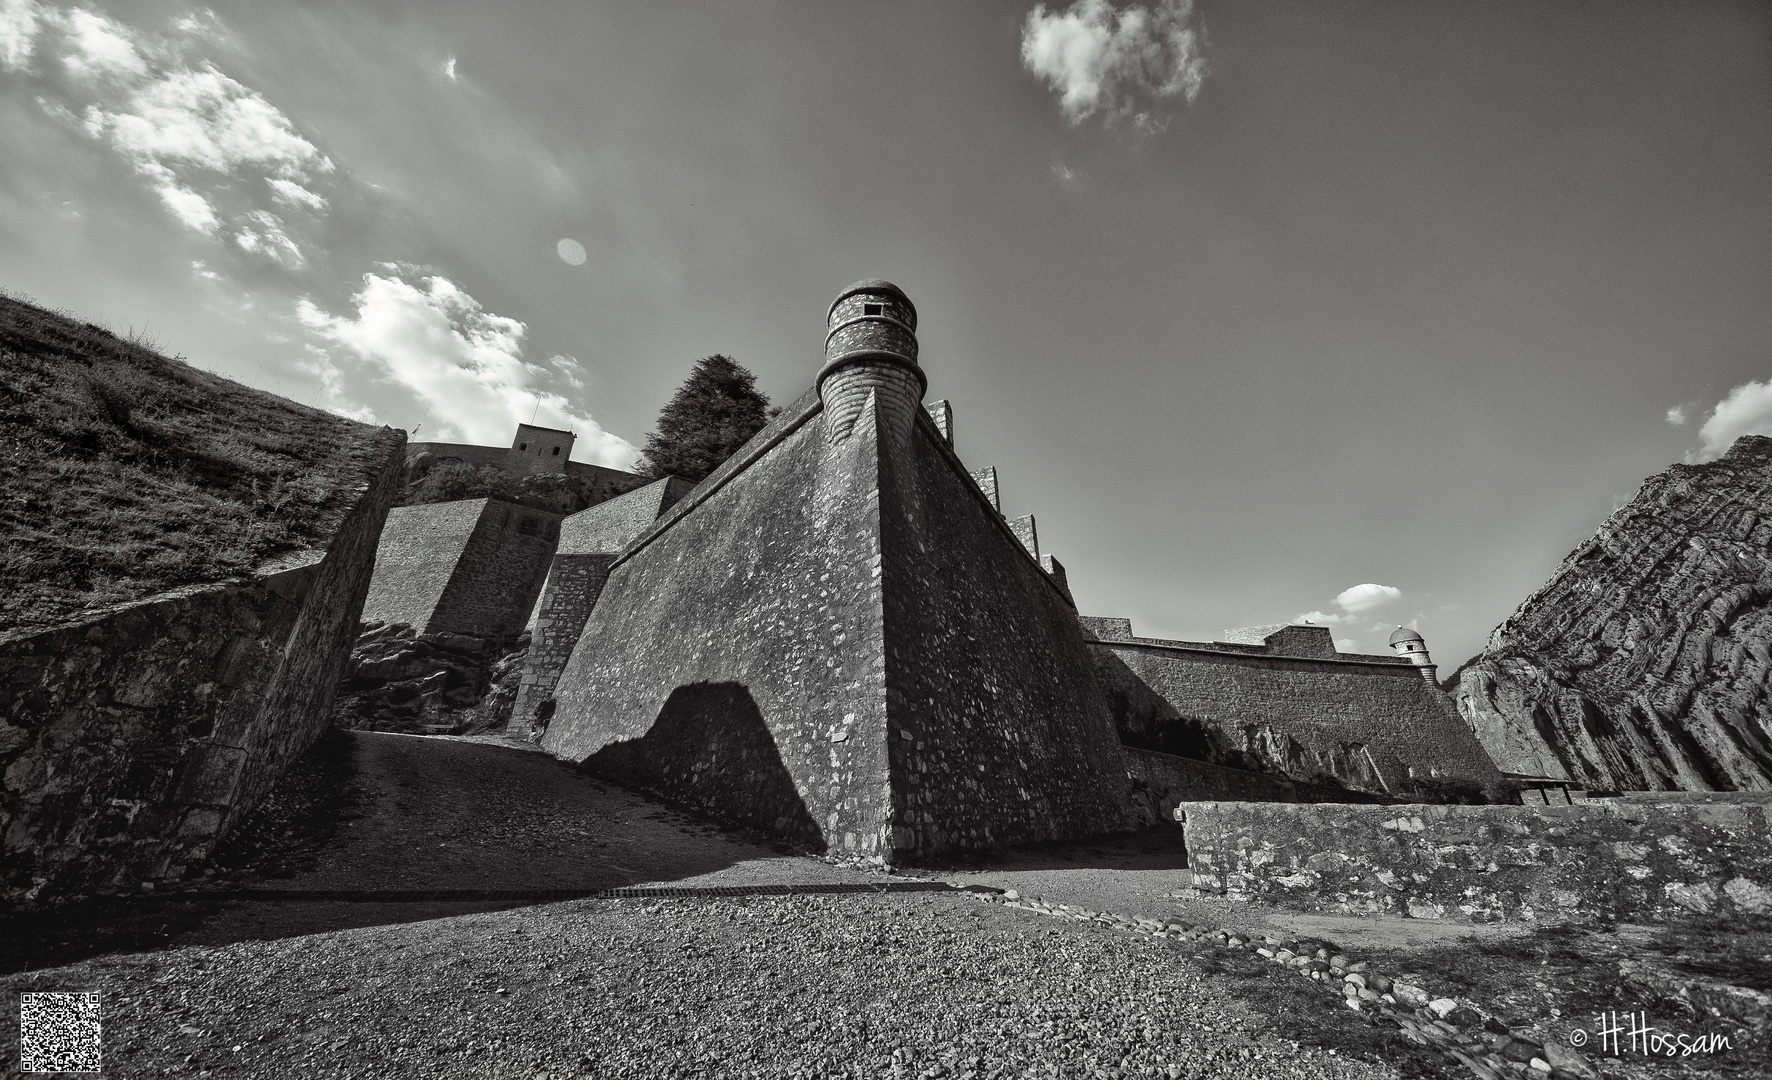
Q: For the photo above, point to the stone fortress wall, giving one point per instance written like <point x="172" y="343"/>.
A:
<point x="473" y="567"/>
<point x="138" y="735"/>
<point x="589" y="543"/>
<point x="1282" y="700"/>
<point x="838" y="637"/>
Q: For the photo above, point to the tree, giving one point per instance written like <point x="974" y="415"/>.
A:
<point x="716" y="411"/>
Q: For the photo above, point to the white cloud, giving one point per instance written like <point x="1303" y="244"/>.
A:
<point x="293" y="194"/>
<point x="1676" y="416"/>
<point x="1097" y="59"/>
<point x="1346" y="644"/>
<point x="98" y="47"/>
<point x="449" y="69"/>
<point x="205" y="119"/>
<point x="1368" y="597"/>
<point x="1745" y="410"/>
<point x="200" y="139"/>
<point x="189" y="207"/>
<point x="1323" y="618"/>
<point x="567" y="368"/>
<point x="264" y="236"/>
<point x="464" y="363"/>
<point x="19" y="20"/>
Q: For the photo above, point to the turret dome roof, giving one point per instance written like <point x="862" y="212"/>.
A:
<point x="1402" y="634"/>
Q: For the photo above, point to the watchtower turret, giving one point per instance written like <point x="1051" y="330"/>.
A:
<point x="871" y="347"/>
<point x="1407" y="643"/>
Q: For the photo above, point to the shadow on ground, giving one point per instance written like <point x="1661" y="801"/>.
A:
<point x="368" y="812"/>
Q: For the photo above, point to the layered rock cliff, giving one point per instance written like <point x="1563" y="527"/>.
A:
<point x="1644" y="663"/>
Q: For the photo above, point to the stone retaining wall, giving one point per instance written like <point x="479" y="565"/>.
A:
<point x="1627" y="859"/>
<point x="133" y="737"/>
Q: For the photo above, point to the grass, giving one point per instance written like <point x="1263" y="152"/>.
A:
<point x="124" y="472"/>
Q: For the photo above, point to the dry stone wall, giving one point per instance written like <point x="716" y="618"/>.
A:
<point x="1641" y="860"/>
<point x="135" y="736"/>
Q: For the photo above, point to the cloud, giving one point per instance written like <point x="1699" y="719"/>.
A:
<point x="19" y="20"/>
<point x="201" y="140"/>
<point x="98" y="48"/>
<point x="1097" y="59"/>
<point x="291" y="193"/>
<point x="1745" y="410"/>
<point x="264" y="235"/>
<point x="1363" y="598"/>
<point x="1323" y="618"/>
<point x="449" y="69"/>
<point x="189" y="207"/>
<point x="1676" y="416"/>
<point x="567" y="368"/>
<point x="463" y="363"/>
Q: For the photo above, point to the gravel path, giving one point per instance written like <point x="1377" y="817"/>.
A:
<point x="900" y="986"/>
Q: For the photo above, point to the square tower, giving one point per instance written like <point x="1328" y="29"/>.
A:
<point x="538" y="450"/>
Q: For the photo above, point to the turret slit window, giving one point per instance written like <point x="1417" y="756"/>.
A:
<point x="873" y="309"/>
<point x="556" y="451"/>
<point x="522" y="446"/>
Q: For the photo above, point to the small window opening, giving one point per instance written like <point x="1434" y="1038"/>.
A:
<point x="522" y="446"/>
<point x="556" y="451"/>
<point x="873" y="309"/>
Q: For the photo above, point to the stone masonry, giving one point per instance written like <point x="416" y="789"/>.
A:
<point x="136" y="736"/>
<point x="837" y="637"/>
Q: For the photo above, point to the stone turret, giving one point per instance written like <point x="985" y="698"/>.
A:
<point x="871" y="348"/>
<point x="1409" y="644"/>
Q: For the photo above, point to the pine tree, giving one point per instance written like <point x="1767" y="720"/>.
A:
<point x="716" y="411"/>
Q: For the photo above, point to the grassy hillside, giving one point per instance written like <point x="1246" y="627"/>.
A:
<point x="124" y="472"/>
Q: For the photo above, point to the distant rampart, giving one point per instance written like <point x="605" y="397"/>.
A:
<point x="1369" y="723"/>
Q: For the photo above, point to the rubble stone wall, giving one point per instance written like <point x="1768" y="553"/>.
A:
<point x="1643" y="860"/>
<point x="135" y="736"/>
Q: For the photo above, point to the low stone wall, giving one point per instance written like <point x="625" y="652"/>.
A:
<point x="133" y="737"/>
<point x="1626" y="859"/>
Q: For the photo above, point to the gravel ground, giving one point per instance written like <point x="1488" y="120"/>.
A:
<point x="900" y="986"/>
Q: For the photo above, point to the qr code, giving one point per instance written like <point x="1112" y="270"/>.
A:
<point x="58" y="1033"/>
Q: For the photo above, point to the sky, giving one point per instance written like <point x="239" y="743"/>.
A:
<point x="1358" y="312"/>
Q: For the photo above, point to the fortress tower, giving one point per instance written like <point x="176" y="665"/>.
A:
<point x="1409" y="645"/>
<point x="870" y="347"/>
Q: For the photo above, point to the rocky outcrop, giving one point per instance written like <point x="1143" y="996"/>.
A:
<point x="429" y="684"/>
<point x="1645" y="663"/>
